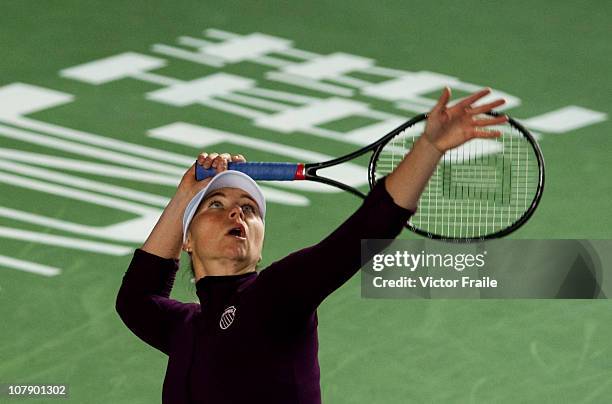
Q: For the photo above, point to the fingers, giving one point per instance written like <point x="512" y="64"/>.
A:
<point x="492" y="121"/>
<point x="207" y="163"/>
<point x="486" y="107"/>
<point x="483" y="133"/>
<point x="201" y="157"/>
<point x="444" y="97"/>
<point x="218" y="161"/>
<point x="238" y="158"/>
<point x="473" y="98"/>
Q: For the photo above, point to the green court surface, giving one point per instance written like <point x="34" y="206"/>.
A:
<point x="73" y="188"/>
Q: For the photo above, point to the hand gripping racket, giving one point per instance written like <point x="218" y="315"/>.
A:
<point x="485" y="188"/>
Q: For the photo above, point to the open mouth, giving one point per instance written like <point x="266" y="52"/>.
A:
<point x="237" y="231"/>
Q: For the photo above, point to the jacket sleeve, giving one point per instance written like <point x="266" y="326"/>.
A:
<point x="299" y="282"/>
<point x="143" y="301"/>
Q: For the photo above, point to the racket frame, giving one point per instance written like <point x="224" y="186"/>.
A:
<point x="380" y="144"/>
<point x="310" y="169"/>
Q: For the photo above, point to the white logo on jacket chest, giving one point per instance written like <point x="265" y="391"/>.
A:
<point x="227" y="318"/>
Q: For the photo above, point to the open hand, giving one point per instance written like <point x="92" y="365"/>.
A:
<point x="448" y="128"/>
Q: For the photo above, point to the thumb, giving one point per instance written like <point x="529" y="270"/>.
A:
<point x="202" y="184"/>
<point x="444" y="97"/>
<point x="196" y="186"/>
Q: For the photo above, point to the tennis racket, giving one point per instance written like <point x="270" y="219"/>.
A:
<point x="485" y="188"/>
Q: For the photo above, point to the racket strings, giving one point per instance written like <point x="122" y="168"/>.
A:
<point x="479" y="188"/>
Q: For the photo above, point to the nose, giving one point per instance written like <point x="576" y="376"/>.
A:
<point x="235" y="212"/>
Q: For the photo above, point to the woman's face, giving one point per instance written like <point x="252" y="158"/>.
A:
<point x="227" y="225"/>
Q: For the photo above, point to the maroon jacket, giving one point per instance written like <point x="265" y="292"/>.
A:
<point x="252" y="337"/>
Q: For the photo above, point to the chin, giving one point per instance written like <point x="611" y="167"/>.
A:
<point x="237" y="254"/>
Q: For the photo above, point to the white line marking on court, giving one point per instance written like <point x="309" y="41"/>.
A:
<point x="281" y="95"/>
<point x="22" y="99"/>
<point x="256" y="102"/>
<point x="90" y="151"/>
<point x="115" y="67"/>
<point x="132" y="231"/>
<point x="195" y="42"/>
<point x="62" y="241"/>
<point x="179" y="53"/>
<point x="233" y="109"/>
<point x="103" y="170"/>
<point x="97" y="199"/>
<point x="350" y="81"/>
<point x="156" y="78"/>
<point x="385" y="72"/>
<point x="565" y="119"/>
<point x="29" y="266"/>
<point x="104" y="141"/>
<point x="413" y="107"/>
<point x="96" y="186"/>
<point x="271" y="61"/>
<point x="301" y="54"/>
<point x="220" y="34"/>
<point x="308" y="83"/>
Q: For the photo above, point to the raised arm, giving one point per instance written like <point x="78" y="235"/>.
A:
<point x="301" y="281"/>
<point x="143" y="301"/>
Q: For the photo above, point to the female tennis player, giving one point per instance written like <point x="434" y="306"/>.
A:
<point x="253" y="336"/>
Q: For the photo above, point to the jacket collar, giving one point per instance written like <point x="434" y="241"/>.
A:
<point x="220" y="287"/>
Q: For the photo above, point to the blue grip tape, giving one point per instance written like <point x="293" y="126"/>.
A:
<point x="256" y="170"/>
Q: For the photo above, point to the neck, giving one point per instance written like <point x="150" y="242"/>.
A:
<point x="219" y="267"/>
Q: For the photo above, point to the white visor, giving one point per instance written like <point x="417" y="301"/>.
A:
<point x="225" y="179"/>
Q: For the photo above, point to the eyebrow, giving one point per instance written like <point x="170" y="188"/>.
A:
<point x="243" y="195"/>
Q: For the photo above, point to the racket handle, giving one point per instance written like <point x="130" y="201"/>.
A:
<point x="259" y="171"/>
